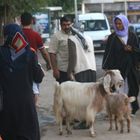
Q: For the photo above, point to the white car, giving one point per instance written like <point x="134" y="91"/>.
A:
<point x="135" y="27"/>
<point x="96" y="26"/>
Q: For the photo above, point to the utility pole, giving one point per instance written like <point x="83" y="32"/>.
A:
<point x="125" y="7"/>
<point x="102" y="7"/>
<point x="76" y="15"/>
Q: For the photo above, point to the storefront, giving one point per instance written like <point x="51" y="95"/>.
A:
<point x="113" y="7"/>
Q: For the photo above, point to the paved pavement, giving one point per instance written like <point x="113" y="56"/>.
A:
<point x="49" y="129"/>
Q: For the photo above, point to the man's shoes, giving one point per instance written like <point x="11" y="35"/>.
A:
<point x="81" y="125"/>
<point x="135" y="107"/>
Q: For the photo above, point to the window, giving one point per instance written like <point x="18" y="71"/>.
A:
<point x="94" y="25"/>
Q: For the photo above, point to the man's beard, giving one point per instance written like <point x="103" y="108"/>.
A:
<point x="67" y="31"/>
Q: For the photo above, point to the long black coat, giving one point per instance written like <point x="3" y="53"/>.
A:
<point x="18" y="117"/>
<point x="115" y="57"/>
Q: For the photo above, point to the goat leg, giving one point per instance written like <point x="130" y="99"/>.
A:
<point x="68" y="128"/>
<point x="92" y="131"/>
<point x="116" y="124"/>
<point x="90" y="118"/>
<point x="128" y="124"/>
<point x="110" y="120"/>
<point x="60" y="127"/>
<point x="121" y="125"/>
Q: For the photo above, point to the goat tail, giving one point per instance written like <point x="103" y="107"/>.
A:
<point x="128" y="100"/>
<point x="132" y="99"/>
<point x="58" y="103"/>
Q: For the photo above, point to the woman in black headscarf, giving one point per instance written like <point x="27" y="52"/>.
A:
<point x="18" y="68"/>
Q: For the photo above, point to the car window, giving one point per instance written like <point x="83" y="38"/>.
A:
<point x="131" y="28"/>
<point x="138" y="30"/>
<point x="94" y="25"/>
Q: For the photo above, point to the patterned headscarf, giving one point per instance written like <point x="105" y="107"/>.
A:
<point x="15" y="52"/>
<point x="15" y="40"/>
<point x="125" y="23"/>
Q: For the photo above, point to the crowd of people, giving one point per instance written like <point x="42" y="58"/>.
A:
<point x="71" y="57"/>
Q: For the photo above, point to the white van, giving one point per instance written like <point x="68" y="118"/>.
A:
<point x="97" y="27"/>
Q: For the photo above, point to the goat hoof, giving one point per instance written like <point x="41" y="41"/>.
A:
<point x="128" y="130"/>
<point x="69" y="132"/>
<point x="92" y="134"/>
<point x="121" y="131"/>
<point x="109" y="129"/>
<point x="60" y="133"/>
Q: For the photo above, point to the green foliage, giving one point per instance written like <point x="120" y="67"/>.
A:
<point x="9" y="9"/>
<point x="67" y="5"/>
<point x="16" y="7"/>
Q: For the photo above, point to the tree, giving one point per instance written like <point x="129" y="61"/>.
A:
<point x="9" y="9"/>
<point x="67" y="5"/>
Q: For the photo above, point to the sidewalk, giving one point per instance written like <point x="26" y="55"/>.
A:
<point x="101" y="129"/>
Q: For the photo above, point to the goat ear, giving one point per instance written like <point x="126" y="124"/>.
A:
<point x="132" y="99"/>
<point x="106" y="83"/>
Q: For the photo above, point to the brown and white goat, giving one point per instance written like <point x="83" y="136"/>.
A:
<point x="81" y="101"/>
<point x="118" y="106"/>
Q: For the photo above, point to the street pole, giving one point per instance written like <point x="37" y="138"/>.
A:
<point x="76" y="16"/>
<point x="125" y="7"/>
<point x="102" y="7"/>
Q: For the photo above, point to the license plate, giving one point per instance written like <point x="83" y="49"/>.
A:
<point x="96" y="45"/>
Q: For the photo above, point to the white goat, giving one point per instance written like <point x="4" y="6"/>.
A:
<point x="118" y="104"/>
<point x="81" y="101"/>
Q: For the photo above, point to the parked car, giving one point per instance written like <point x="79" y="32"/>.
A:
<point x="96" y="26"/>
<point x="135" y="27"/>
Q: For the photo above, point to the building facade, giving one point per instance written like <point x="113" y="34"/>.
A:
<point x="131" y="8"/>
